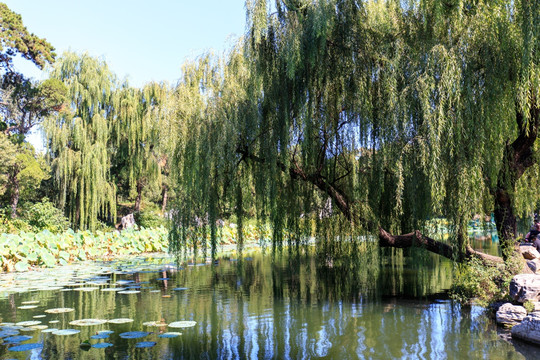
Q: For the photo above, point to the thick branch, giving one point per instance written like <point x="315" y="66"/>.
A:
<point x="418" y="239"/>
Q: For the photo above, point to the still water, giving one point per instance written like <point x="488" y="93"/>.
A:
<point x="255" y="307"/>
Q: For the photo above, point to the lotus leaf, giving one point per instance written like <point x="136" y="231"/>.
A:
<point x="154" y="323"/>
<point x="8" y="332"/>
<point x="145" y="344"/>
<point x="129" y="292"/>
<point x="49" y="330"/>
<point x="26" y="307"/>
<point x="28" y="323"/>
<point x="58" y="311"/>
<point x="182" y="324"/>
<point x="120" y="321"/>
<point x="170" y="334"/>
<point x="99" y="336"/>
<point x="30" y="302"/>
<point x="87" y="322"/>
<point x="102" y="345"/>
<point x="17" y="338"/>
<point x="38" y="327"/>
<point x="22" y="265"/>
<point x="39" y="316"/>
<point x="133" y="334"/>
<point x="66" y="332"/>
<point x="26" y="347"/>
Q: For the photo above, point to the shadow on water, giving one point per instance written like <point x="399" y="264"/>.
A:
<point x="381" y="304"/>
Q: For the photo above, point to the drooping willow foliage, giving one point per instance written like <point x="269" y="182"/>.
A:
<point x="108" y="136"/>
<point x="334" y="118"/>
<point x="78" y="140"/>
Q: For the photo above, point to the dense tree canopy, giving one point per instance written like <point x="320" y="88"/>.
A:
<point x="394" y="112"/>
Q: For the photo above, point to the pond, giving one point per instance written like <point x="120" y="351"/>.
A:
<point x="289" y="306"/>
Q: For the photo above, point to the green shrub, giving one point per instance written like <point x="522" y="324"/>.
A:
<point x="149" y="219"/>
<point x="481" y="284"/>
<point x="45" y="216"/>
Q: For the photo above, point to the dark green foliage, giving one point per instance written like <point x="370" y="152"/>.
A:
<point x="149" y="219"/>
<point x="45" y="216"/>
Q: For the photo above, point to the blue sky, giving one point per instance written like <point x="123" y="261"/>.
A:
<point x="144" y="40"/>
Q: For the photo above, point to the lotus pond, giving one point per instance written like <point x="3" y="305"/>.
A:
<point x="257" y="306"/>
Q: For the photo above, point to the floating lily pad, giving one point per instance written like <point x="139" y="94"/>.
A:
<point x="120" y="321"/>
<point x="30" y="302"/>
<point x="49" y="330"/>
<point x="26" y="307"/>
<point x="59" y="310"/>
<point x="99" y="336"/>
<point x="113" y="289"/>
<point x="8" y="332"/>
<point x="28" y="323"/>
<point x="101" y="345"/>
<point x="39" y="316"/>
<point x="38" y="327"/>
<point x="87" y="322"/>
<point x="17" y="338"/>
<point x="127" y="292"/>
<point x="163" y="279"/>
<point x="171" y="334"/>
<point x="155" y="291"/>
<point x="133" y="334"/>
<point x="86" y="289"/>
<point x="108" y="332"/>
<point x="182" y="324"/>
<point x="66" y="332"/>
<point x="154" y="323"/>
<point x="180" y="288"/>
<point x="54" y="321"/>
<point x="145" y="344"/>
<point x="26" y="347"/>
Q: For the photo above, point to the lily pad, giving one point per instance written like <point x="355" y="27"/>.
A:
<point x="59" y="310"/>
<point x="180" y="288"/>
<point x="26" y="307"/>
<point x="182" y="324"/>
<point x="145" y="344"/>
<point x="49" y="330"/>
<point x="101" y="345"/>
<point x="171" y="334"/>
<point x="87" y="289"/>
<point x="31" y="302"/>
<point x="113" y="289"/>
<point x="28" y="323"/>
<point x="17" y="338"/>
<point x="128" y="292"/>
<point x="8" y="332"/>
<point x="154" y="323"/>
<point x="26" y="347"/>
<point x="66" y="332"/>
<point x="87" y="322"/>
<point x="39" y="316"/>
<point x="99" y="336"/>
<point x="54" y="321"/>
<point x="133" y="334"/>
<point x="120" y="321"/>
<point x="38" y="327"/>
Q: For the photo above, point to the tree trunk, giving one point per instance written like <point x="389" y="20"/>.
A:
<point x="139" y="196"/>
<point x="164" y="197"/>
<point x="14" y="190"/>
<point x="417" y="239"/>
<point x="518" y="157"/>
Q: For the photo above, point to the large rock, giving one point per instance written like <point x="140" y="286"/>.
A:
<point x="534" y="265"/>
<point x="529" y="328"/>
<point x="128" y="221"/>
<point x="529" y="252"/>
<point x="525" y="287"/>
<point x="509" y="314"/>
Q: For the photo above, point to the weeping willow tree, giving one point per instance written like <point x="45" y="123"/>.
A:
<point x="343" y="117"/>
<point x="141" y="121"/>
<point x="78" y="140"/>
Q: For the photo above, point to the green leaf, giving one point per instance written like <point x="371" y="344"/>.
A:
<point x="22" y="265"/>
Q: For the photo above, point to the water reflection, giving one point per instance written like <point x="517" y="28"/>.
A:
<point x="297" y="306"/>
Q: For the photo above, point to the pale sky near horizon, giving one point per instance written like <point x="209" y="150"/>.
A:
<point x="145" y="41"/>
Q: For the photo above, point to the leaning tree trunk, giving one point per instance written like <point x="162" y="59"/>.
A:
<point x="518" y="156"/>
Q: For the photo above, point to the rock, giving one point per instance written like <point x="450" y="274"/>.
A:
<point x="529" y="252"/>
<point x="128" y="221"/>
<point x="509" y="314"/>
<point x="528" y="329"/>
<point x="525" y="287"/>
<point x="534" y="265"/>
